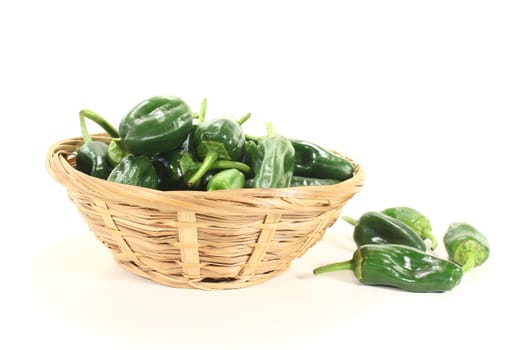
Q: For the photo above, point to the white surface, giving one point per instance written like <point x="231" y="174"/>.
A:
<point x="427" y="96"/>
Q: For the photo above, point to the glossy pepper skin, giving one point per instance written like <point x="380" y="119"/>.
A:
<point x="465" y="245"/>
<point x="220" y="138"/>
<point x="92" y="157"/>
<point x="227" y="179"/>
<point x="136" y="171"/>
<point x="158" y="124"/>
<point x="400" y="267"/>
<point x="273" y="162"/>
<point x="377" y="228"/>
<point x="314" y="161"/>
<point x="417" y="221"/>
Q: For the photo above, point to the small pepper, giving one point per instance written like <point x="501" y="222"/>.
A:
<point x="417" y="221"/>
<point x="220" y="138"/>
<point x="466" y="246"/>
<point x="158" y="124"/>
<point x="273" y="162"/>
<point x="92" y="156"/>
<point x="310" y="181"/>
<point x="135" y="170"/>
<point x="377" y="228"/>
<point x="400" y="267"/>
<point x="226" y="180"/>
<point x="312" y="160"/>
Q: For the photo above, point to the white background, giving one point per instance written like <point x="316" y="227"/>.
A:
<point x="426" y="95"/>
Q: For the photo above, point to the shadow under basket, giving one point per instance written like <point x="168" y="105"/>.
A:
<point x="197" y="239"/>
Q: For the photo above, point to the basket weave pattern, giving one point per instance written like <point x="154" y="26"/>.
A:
<point x="197" y="239"/>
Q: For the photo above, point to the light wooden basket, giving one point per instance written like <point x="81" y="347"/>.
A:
<point x="197" y="239"/>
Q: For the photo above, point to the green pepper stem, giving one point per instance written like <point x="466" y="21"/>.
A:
<point x="206" y="165"/>
<point x="229" y="164"/>
<point x="338" y="266"/>
<point x="350" y="220"/>
<point x="469" y="264"/>
<point x="83" y="128"/>
<point x="270" y="131"/>
<point x="253" y="138"/>
<point x="103" y="123"/>
<point x="244" y="118"/>
<point x="202" y="113"/>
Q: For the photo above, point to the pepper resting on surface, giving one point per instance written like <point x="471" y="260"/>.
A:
<point x="158" y="124"/>
<point x="226" y="180"/>
<point x="466" y="246"/>
<point x="401" y="267"/>
<point x="377" y="228"/>
<point x="92" y="156"/>
<point x="417" y="221"/>
<point x="135" y="170"/>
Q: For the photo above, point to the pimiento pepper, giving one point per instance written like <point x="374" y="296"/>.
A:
<point x="135" y="170"/>
<point x="314" y="161"/>
<point x="399" y="266"/>
<point x="465" y="245"/>
<point x="377" y="228"/>
<point x="226" y="180"/>
<point x="158" y="124"/>
<point x="220" y="138"/>
<point x="417" y="221"/>
<point x="92" y="156"/>
<point x="273" y="162"/>
<point x="310" y="181"/>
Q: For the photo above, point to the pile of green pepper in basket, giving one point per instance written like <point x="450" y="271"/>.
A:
<point x="161" y="144"/>
<point x="391" y="251"/>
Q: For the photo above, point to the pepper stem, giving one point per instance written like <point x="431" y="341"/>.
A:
<point x="350" y="220"/>
<point x="338" y="266"/>
<point x="83" y="128"/>
<point x="469" y="264"/>
<point x="202" y="112"/>
<point x="103" y="123"/>
<point x="230" y="164"/>
<point x="270" y="131"/>
<point x="206" y="165"/>
<point x="244" y="118"/>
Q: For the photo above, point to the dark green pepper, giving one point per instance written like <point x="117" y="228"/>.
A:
<point x="466" y="246"/>
<point x="310" y="181"/>
<point x="135" y="170"/>
<point x="92" y="157"/>
<point x="273" y="162"/>
<point x="417" y="221"/>
<point x="377" y="228"/>
<point x="226" y="180"/>
<point x="158" y="124"/>
<point x="220" y="138"/>
<point x="314" y="161"/>
<point x="400" y="267"/>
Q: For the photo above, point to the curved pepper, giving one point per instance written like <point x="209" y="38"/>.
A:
<point x="226" y="180"/>
<point x="273" y="161"/>
<point x="400" y="267"/>
<point x="92" y="156"/>
<point x="417" y="221"/>
<point x="136" y="171"/>
<point x="158" y="124"/>
<point x="466" y="246"/>
<point x="378" y="228"/>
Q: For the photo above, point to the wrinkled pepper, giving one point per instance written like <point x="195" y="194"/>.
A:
<point x="135" y="170"/>
<point x="158" y="124"/>
<point x="417" y="221"/>
<point x="377" y="228"/>
<point x="399" y="266"/>
<point x="465" y="245"/>
<point x="227" y="179"/>
<point x="273" y="162"/>
<point x="92" y="156"/>
<point x="217" y="139"/>
<point x="314" y="161"/>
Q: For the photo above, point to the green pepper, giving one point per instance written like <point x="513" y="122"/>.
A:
<point x="400" y="267"/>
<point x="273" y="162"/>
<point x="417" y="221"/>
<point x="158" y="124"/>
<point x="465" y="245"/>
<point x="377" y="228"/>
<point x="310" y="181"/>
<point x="314" y="161"/>
<point x="220" y="138"/>
<point x="116" y="152"/>
<point x="92" y="157"/>
<point x="135" y="170"/>
<point x="226" y="180"/>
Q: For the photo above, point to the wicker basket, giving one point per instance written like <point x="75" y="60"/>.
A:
<point x="198" y="239"/>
